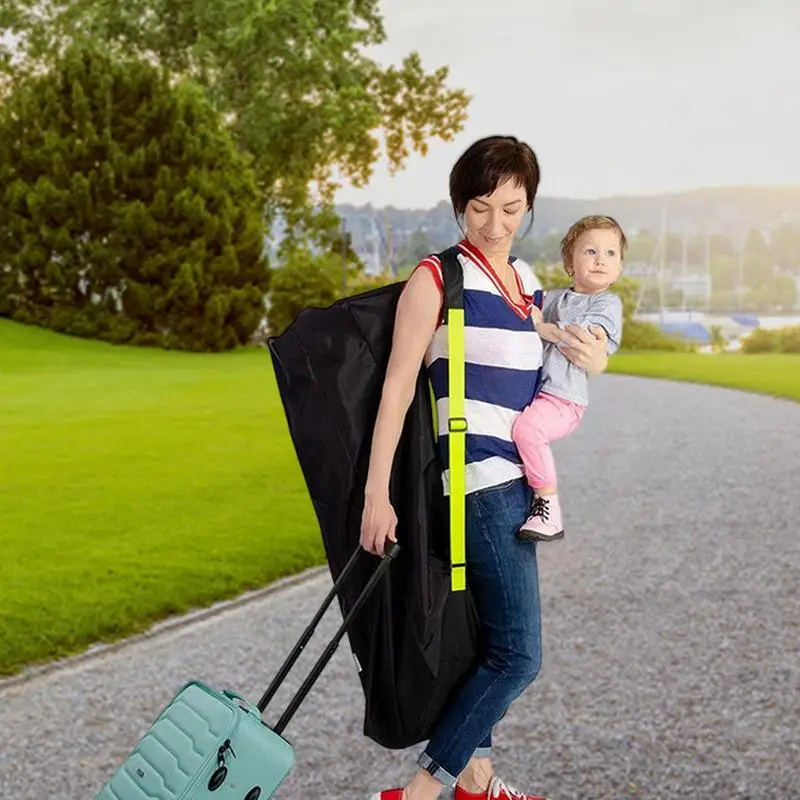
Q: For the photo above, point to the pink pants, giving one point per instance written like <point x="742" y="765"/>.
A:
<point x="546" y="419"/>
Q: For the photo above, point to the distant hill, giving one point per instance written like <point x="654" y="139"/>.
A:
<point x="729" y="211"/>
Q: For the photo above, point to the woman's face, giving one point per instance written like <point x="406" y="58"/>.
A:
<point x="492" y="220"/>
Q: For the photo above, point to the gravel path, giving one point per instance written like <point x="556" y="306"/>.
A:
<point x="671" y="632"/>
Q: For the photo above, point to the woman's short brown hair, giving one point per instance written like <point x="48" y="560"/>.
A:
<point x="489" y="162"/>
<point x="590" y="223"/>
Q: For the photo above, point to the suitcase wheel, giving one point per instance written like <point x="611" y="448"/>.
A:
<point x="217" y="778"/>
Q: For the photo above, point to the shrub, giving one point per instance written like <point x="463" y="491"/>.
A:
<point x="779" y="340"/>
<point x="133" y="217"/>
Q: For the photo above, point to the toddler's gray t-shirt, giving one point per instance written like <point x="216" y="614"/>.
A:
<point x="567" y="307"/>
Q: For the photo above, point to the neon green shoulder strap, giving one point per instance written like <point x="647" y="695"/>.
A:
<point x="457" y="421"/>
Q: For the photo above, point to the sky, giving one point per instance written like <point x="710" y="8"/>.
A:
<point x="615" y="96"/>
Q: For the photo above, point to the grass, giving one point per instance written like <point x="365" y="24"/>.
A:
<point x="768" y="373"/>
<point x="135" y="484"/>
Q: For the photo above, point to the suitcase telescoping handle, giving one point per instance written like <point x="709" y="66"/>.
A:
<point x="391" y="551"/>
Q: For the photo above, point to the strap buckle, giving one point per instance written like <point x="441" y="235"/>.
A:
<point x="457" y="424"/>
<point x="458" y="576"/>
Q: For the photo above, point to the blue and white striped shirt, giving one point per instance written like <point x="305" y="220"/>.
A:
<point x="503" y="355"/>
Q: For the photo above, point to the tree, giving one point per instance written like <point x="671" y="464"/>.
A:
<point x="330" y="239"/>
<point x="708" y="245"/>
<point x="785" y="245"/>
<point x="528" y="249"/>
<point x="550" y="250"/>
<point x="697" y="248"/>
<point x="131" y="215"/>
<point x="645" y="246"/>
<point x="721" y="245"/>
<point x="302" y="281"/>
<point x="416" y="248"/>
<point x="652" y="297"/>
<point x="628" y="291"/>
<point x="673" y="245"/>
<point x="757" y="269"/>
<point x="755" y="245"/>
<point x="365" y="283"/>
<point x="724" y="272"/>
<point x="717" y="339"/>
<point x="292" y="79"/>
<point x="307" y="280"/>
<point x="779" y="340"/>
<point x="552" y="277"/>
<point x="779" y="292"/>
<point x="642" y="246"/>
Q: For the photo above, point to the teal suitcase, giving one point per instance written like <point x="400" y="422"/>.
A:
<point x="210" y="744"/>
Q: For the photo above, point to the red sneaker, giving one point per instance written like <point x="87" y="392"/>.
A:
<point x="497" y="791"/>
<point x="388" y="794"/>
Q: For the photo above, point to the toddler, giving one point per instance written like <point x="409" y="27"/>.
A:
<point x="592" y="253"/>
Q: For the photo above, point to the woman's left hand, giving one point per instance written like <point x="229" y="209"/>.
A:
<point x="585" y="348"/>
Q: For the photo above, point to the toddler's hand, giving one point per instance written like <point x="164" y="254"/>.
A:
<point x="536" y="315"/>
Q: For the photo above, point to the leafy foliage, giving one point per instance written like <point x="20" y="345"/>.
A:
<point x="307" y="280"/>
<point x="303" y="281"/>
<point x="639" y="335"/>
<point x="780" y="340"/>
<point x="130" y="214"/>
<point x="290" y="77"/>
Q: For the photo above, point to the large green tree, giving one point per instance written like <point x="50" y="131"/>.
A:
<point x="129" y="214"/>
<point x="292" y="78"/>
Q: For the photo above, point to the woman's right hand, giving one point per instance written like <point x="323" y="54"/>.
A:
<point x="378" y="523"/>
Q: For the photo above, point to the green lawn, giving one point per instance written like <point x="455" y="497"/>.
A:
<point x="773" y="374"/>
<point x="137" y="483"/>
<point x="134" y="484"/>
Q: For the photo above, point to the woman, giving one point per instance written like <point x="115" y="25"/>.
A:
<point x="492" y="187"/>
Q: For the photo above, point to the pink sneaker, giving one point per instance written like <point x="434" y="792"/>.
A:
<point x="544" y="524"/>
<point x="497" y="791"/>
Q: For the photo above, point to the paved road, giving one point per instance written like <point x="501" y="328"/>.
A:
<point x="671" y="625"/>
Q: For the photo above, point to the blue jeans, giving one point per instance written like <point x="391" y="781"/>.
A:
<point x="503" y="575"/>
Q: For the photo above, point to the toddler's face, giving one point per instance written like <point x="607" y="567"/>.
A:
<point x="596" y="260"/>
